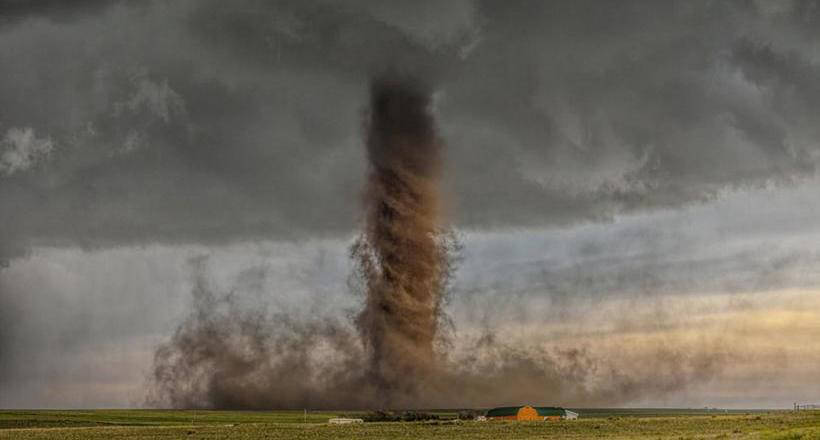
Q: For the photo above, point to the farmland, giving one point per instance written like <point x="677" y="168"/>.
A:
<point x="594" y="423"/>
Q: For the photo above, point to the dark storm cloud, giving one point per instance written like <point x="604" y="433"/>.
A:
<point x="208" y="122"/>
<point x="633" y="106"/>
<point x="12" y="11"/>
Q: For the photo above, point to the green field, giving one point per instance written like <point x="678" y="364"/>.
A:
<point x="595" y="423"/>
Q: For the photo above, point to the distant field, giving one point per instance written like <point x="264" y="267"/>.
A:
<point x="595" y="423"/>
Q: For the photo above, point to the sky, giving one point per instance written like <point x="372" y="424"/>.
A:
<point x="634" y="181"/>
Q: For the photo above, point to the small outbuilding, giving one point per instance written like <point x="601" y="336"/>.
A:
<point x="344" y="421"/>
<point x="527" y="412"/>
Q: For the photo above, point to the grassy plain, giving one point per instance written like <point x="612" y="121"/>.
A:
<point x="250" y="425"/>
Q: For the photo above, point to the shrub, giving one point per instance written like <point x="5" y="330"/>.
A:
<point x="469" y="414"/>
<point x="406" y="416"/>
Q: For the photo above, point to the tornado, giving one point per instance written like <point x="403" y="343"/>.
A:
<point x="388" y="354"/>
<point x="400" y="252"/>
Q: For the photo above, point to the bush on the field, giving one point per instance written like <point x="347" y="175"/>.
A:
<point x="417" y="416"/>
<point x="406" y="416"/>
<point x="469" y="414"/>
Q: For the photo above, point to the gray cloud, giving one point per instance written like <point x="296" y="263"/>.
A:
<point x="14" y="11"/>
<point x="201" y="122"/>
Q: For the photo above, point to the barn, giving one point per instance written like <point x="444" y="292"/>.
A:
<point x="527" y="412"/>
